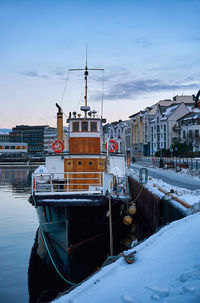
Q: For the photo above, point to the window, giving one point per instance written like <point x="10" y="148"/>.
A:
<point x="90" y="163"/>
<point x="75" y="126"/>
<point x="184" y="134"/>
<point x="79" y="162"/>
<point x="84" y="126"/>
<point x="196" y="133"/>
<point x="164" y="127"/>
<point x="93" y="126"/>
<point x="12" y="147"/>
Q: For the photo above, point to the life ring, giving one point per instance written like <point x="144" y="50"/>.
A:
<point x="113" y="146"/>
<point x="58" y="146"/>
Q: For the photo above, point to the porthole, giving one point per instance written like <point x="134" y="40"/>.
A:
<point x="90" y="162"/>
<point x="79" y="162"/>
<point x="69" y="163"/>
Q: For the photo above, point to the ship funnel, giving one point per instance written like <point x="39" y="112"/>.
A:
<point x="59" y="122"/>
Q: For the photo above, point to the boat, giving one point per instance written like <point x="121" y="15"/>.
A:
<point x="81" y="192"/>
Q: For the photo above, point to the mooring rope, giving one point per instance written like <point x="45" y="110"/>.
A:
<point x="108" y="260"/>
<point x="49" y="253"/>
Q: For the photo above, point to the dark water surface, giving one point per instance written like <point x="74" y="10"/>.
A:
<point x="23" y="276"/>
<point x="18" y="225"/>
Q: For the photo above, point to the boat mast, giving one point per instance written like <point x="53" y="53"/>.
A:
<point x="85" y="108"/>
<point x="86" y="87"/>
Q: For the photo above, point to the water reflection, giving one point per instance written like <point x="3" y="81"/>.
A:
<point x="18" y="180"/>
<point x="18" y="225"/>
<point x="45" y="284"/>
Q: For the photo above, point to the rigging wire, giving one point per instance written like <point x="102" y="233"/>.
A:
<point x="102" y="96"/>
<point x="64" y="88"/>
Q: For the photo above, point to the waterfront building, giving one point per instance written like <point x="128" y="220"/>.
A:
<point x="32" y="135"/>
<point x="50" y="135"/>
<point x="115" y="131"/>
<point x="13" y="151"/>
<point x="38" y="138"/>
<point x="163" y="127"/>
<point x="128" y="135"/>
<point x="5" y="135"/>
<point x="189" y="129"/>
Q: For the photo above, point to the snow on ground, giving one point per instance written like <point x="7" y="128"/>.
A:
<point x="166" y="269"/>
<point x="191" y="197"/>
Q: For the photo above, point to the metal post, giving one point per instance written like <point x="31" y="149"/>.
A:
<point x="110" y="225"/>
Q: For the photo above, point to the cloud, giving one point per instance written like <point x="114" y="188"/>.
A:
<point x="138" y="87"/>
<point x="34" y="74"/>
<point x="143" y="42"/>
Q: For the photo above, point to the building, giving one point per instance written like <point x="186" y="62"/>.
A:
<point x="115" y="131"/>
<point x="13" y="151"/>
<point x="5" y="135"/>
<point x="189" y="129"/>
<point x="50" y="135"/>
<point x="163" y="127"/>
<point x="32" y="135"/>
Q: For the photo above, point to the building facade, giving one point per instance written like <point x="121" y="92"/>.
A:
<point x="5" y="135"/>
<point x="13" y="151"/>
<point x="164" y="131"/>
<point x="189" y="129"/>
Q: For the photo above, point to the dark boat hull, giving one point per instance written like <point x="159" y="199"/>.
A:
<point x="70" y="226"/>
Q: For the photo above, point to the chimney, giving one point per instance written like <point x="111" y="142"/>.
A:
<point x="59" y="123"/>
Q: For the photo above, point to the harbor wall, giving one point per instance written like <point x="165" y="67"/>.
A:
<point x="152" y="210"/>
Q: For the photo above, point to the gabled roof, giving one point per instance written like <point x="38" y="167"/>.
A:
<point x="192" y="115"/>
<point x="168" y="112"/>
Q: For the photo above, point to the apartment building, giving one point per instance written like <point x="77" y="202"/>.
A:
<point x="164" y="131"/>
<point x="189" y="129"/>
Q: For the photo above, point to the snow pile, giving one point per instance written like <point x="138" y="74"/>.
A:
<point x="166" y="269"/>
<point x="191" y="197"/>
<point x="190" y="172"/>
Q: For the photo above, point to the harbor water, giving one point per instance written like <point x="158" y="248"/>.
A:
<point x="23" y="276"/>
<point x="18" y="224"/>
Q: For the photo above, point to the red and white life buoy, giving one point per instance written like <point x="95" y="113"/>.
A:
<point x="58" y="146"/>
<point x="113" y="146"/>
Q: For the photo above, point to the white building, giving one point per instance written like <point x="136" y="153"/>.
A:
<point x="164" y="131"/>
<point x="189" y="126"/>
<point x="115" y="131"/>
<point x="50" y="135"/>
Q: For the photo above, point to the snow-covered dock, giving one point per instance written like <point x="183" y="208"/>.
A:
<point x="166" y="269"/>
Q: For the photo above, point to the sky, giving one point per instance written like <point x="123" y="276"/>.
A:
<point x="149" y="50"/>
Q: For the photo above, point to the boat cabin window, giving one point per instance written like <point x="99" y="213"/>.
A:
<point x="75" y="126"/>
<point x="84" y="126"/>
<point x="93" y="126"/>
<point x="79" y="162"/>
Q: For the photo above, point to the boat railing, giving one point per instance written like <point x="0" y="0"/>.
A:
<point x="78" y="182"/>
